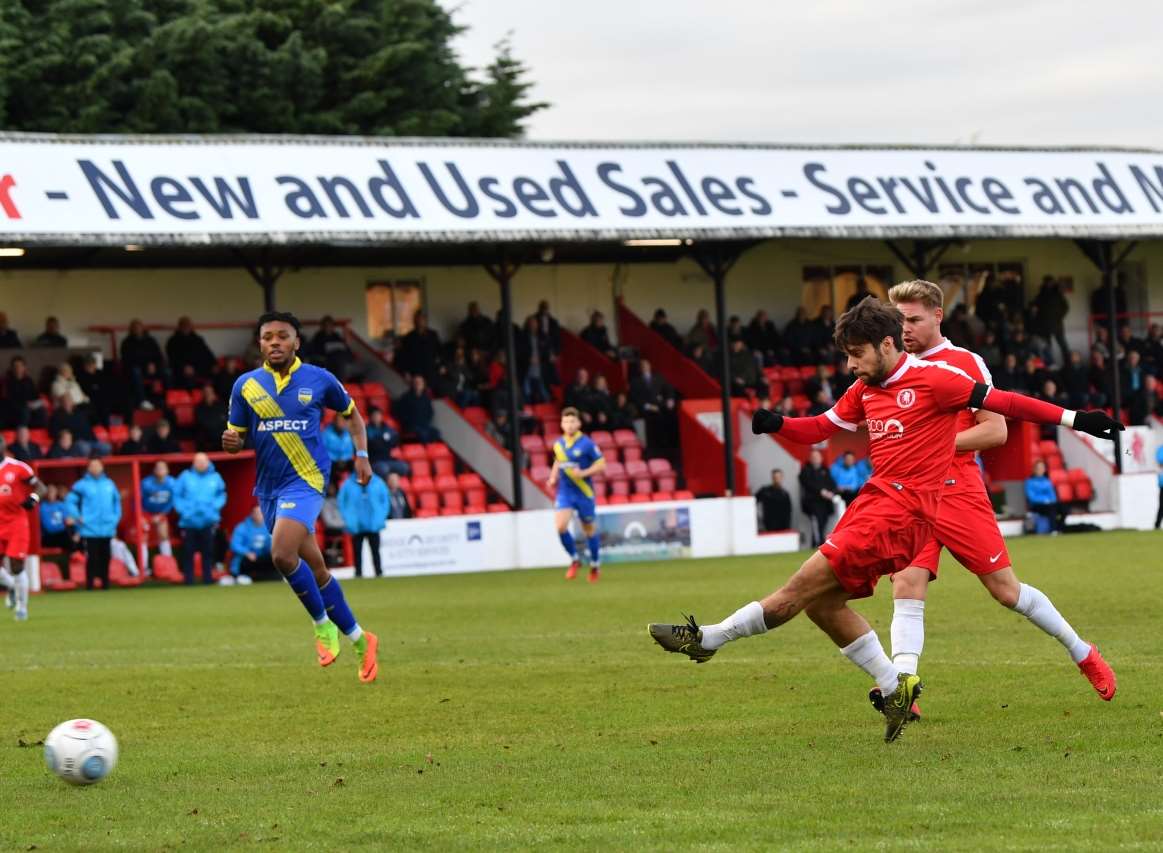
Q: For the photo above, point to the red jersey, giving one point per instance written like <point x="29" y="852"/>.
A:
<point x="912" y="420"/>
<point x="964" y="469"/>
<point x="17" y="482"/>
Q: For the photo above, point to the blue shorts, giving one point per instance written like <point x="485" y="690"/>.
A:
<point x="579" y="503"/>
<point x="299" y="503"/>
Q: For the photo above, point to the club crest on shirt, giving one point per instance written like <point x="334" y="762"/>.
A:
<point x="906" y="397"/>
<point x="305" y="396"/>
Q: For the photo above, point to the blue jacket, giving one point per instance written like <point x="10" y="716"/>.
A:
<point x="248" y="537"/>
<point x="199" y="498"/>
<point x="96" y="501"/>
<point x="53" y="515"/>
<point x="339" y="445"/>
<point x="847" y="477"/>
<point x="1039" y="490"/>
<point x="364" y="508"/>
<point x="1159" y="462"/>
<point x="157" y="498"/>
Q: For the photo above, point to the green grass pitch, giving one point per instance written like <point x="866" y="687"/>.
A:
<point x="515" y="711"/>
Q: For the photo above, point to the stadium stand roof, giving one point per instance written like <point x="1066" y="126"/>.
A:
<point x="337" y="200"/>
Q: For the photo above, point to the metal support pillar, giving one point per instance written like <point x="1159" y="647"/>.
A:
<point x="924" y="256"/>
<point x="503" y="273"/>
<point x="1101" y="253"/>
<point x="716" y="260"/>
<point x="265" y="274"/>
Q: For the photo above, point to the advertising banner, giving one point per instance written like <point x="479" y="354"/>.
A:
<point x="647" y="533"/>
<point x="191" y="190"/>
<point x="433" y="546"/>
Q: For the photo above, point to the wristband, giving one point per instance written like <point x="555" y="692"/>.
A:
<point x="362" y="454"/>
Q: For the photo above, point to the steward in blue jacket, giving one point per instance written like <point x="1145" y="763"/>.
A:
<point x="95" y="504"/>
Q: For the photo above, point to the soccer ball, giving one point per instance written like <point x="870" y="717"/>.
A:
<point x="80" y="751"/>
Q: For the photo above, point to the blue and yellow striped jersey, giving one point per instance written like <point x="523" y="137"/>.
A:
<point x="572" y="457"/>
<point x="282" y="416"/>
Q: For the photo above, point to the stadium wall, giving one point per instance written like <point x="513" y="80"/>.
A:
<point x="768" y="276"/>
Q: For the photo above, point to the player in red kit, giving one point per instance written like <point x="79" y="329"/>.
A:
<point x="911" y="408"/>
<point x="20" y="491"/>
<point x="966" y="524"/>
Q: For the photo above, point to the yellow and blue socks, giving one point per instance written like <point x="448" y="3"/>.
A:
<point x="568" y="544"/>
<point x="302" y="581"/>
<point x="340" y="613"/>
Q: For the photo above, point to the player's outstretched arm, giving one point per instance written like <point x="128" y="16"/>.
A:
<point x="363" y="467"/>
<point x="1014" y="405"/>
<point x="802" y="430"/>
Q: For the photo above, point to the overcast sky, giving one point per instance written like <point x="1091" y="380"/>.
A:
<point x="995" y="72"/>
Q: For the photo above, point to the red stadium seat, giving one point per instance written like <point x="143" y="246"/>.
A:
<point x="413" y="451"/>
<point x="497" y="507"/>
<point x="615" y="470"/>
<point x="420" y="468"/>
<point x="600" y="488"/>
<point x="447" y="483"/>
<point x="406" y="484"/>
<point x="1046" y="447"/>
<point x="478" y="416"/>
<point x="119" y="575"/>
<point x="1065" y="493"/>
<point x="684" y="495"/>
<point x="452" y="510"/>
<point x="618" y="499"/>
<point x="545" y="411"/>
<point x="665" y="482"/>
<point x="422" y="484"/>
<point x="539" y="473"/>
<point x="445" y="466"/>
<point x="1059" y="476"/>
<point x="532" y="442"/>
<point x="619" y="488"/>
<point x="429" y="500"/>
<point x="662" y="496"/>
<point x="640" y="498"/>
<point x="659" y="466"/>
<point x="469" y="480"/>
<point x="631" y="453"/>
<point x="437" y="450"/>
<point x="626" y="438"/>
<point x="426" y="512"/>
<point x="1083" y="490"/>
<point x="51" y="578"/>
<point x="1077" y="474"/>
<point x="603" y="439"/>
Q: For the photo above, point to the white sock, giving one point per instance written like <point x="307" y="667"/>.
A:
<point x="322" y="621"/>
<point x="6" y="577"/>
<point x="1035" y="606"/>
<point x="744" y="622"/>
<point x="355" y="633"/>
<point x="22" y="591"/>
<point x="868" y="654"/>
<point x="908" y="633"/>
<point x="165" y="548"/>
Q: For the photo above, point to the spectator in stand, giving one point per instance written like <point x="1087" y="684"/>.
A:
<point x="623" y="412"/>
<point x="1145" y="401"/>
<point x="763" y="338"/>
<point x="702" y="333"/>
<point x="1128" y="343"/>
<point x="598" y="336"/>
<point x="66" y="416"/>
<point x="988" y="307"/>
<point x="465" y="380"/>
<point x="662" y="327"/>
<point x="188" y="353"/>
<point x="847" y="476"/>
<point x="157" y="502"/>
<point x="21" y="401"/>
<point x="226" y="375"/>
<point x="601" y="403"/>
<point x="51" y="336"/>
<point x="735" y="329"/>
<point x="1075" y="382"/>
<point x="1017" y="343"/>
<point x="1132" y="373"/>
<point x="1100" y="305"/>
<point x="1052" y="309"/>
<point x="498" y="385"/>
<point x="65" y="385"/>
<point x="477" y="329"/>
<point x="8" y="337"/>
<point x="1042" y="500"/>
<point x="1032" y="375"/>
<point x="798" y="337"/>
<point x="24" y="448"/>
<point x="1008" y="377"/>
<point x="95" y="511"/>
<point x="774" y="503"/>
<point x="419" y="349"/>
<point x="1013" y="297"/>
<point x="63" y="447"/>
<point x="400" y="506"/>
<point x="533" y="362"/>
<point x="1101" y="376"/>
<point x="250" y="548"/>
<point x="1102" y="342"/>
<point x="821" y="382"/>
<point x="956" y="327"/>
<point x="549" y="328"/>
<point x="817" y="491"/>
<point x="1153" y="354"/>
<point x="199" y="495"/>
<point x="162" y="440"/>
<point x="96" y="386"/>
<point x="415" y="413"/>
<point x="1049" y="392"/>
<point x="328" y="348"/>
<point x="497" y="428"/>
<point x="820" y="403"/>
<point x="787" y="407"/>
<point x="134" y="445"/>
<point x="578" y="394"/>
<point x="209" y="419"/>
<point x="705" y="359"/>
<point x="862" y="292"/>
<point x="744" y="371"/>
<point x="55" y="531"/>
<point x="990" y="350"/>
<point x="822" y="329"/>
<point x="340" y="446"/>
<point x="142" y="361"/>
<point x="842" y="379"/>
<point x="381" y="441"/>
<point x="365" y="512"/>
<point x="654" y="399"/>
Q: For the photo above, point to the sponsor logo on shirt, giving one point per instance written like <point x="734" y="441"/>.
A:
<point x="891" y="429"/>
<point x="283" y="425"/>
<point x="305" y="396"/>
<point x="287" y="505"/>
<point x="906" y="397"/>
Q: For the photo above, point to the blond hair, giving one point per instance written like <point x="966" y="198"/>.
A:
<point x="918" y="290"/>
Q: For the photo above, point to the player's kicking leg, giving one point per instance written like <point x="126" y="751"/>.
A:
<point x="1032" y="603"/>
<point x="562" y="516"/>
<point x="290" y="539"/>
